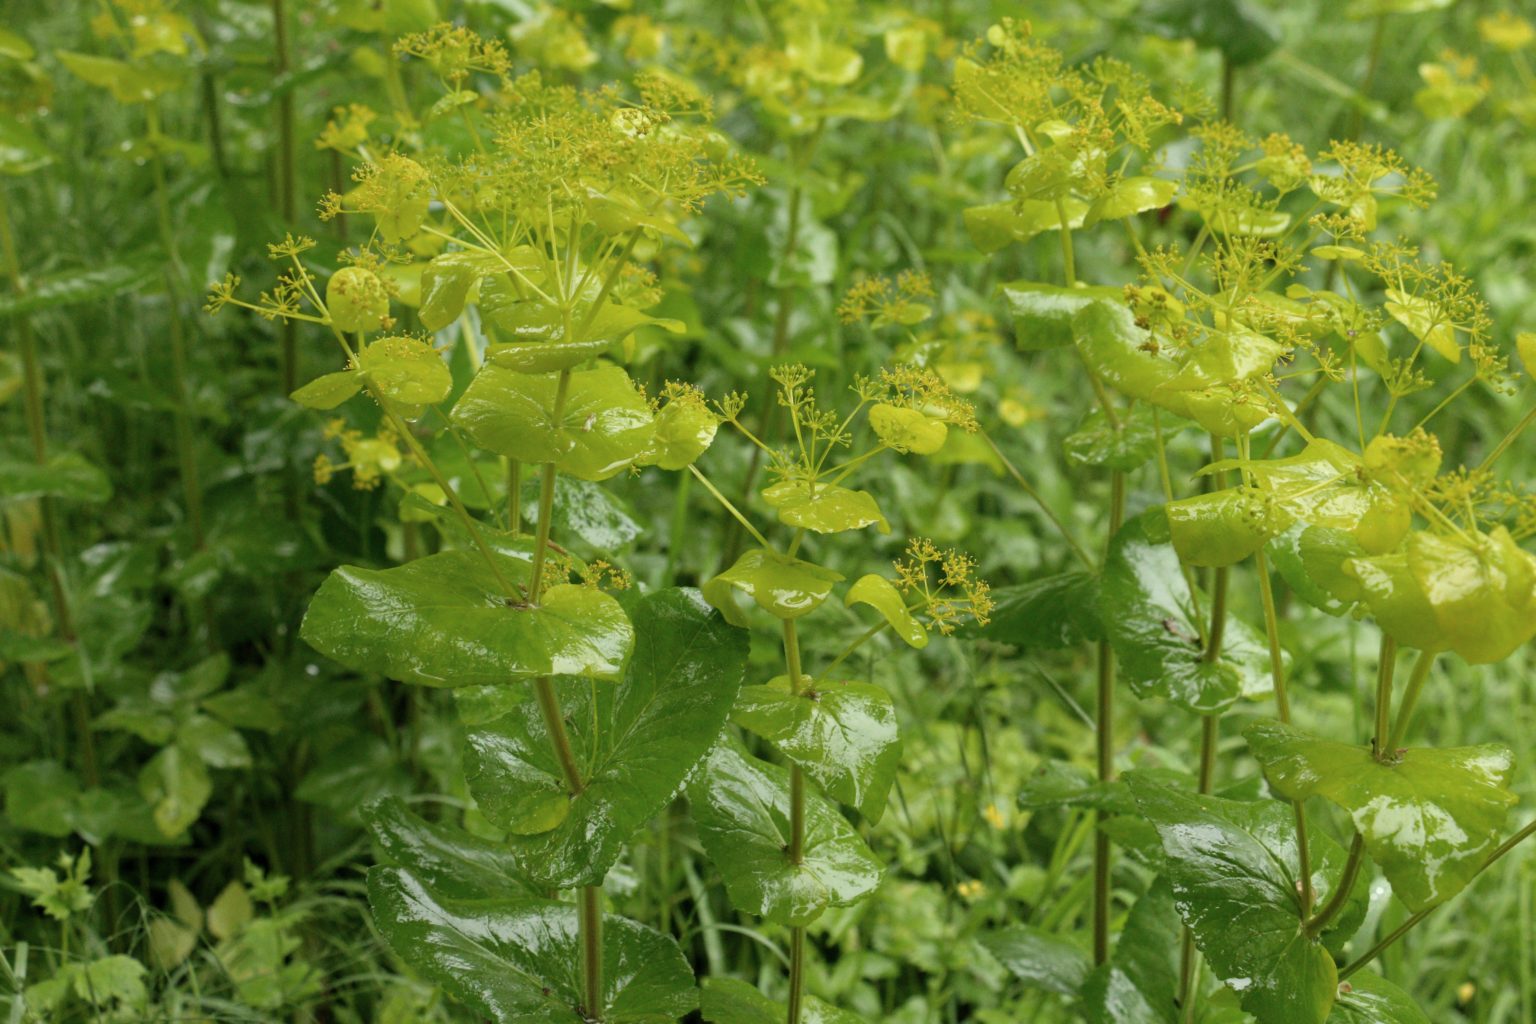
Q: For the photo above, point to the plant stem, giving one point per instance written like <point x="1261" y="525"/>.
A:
<point x="1421" y="667"/>
<point x="592" y="951"/>
<point x="1509" y="439"/>
<point x="796" y="850"/>
<point x="286" y="175"/>
<point x="514" y="497"/>
<point x="1283" y="709"/>
<point x="1408" y="925"/>
<point x="1340" y="895"/>
<point x="1385" y="668"/>
<point x="37" y="430"/>
<point x="1106" y="747"/>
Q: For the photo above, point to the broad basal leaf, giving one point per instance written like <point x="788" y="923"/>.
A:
<point x="1233" y="868"/>
<point x="842" y="734"/>
<point x="1039" y="958"/>
<point x="732" y="1001"/>
<point x="1429" y="817"/>
<point x="604" y="427"/>
<point x="1139" y="985"/>
<point x="650" y="731"/>
<point x="518" y="961"/>
<point x="1151" y="618"/>
<point x="443" y="620"/>
<point x="784" y="587"/>
<point x="450" y="860"/>
<point x="741" y="806"/>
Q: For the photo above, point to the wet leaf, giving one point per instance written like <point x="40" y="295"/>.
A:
<point x="442" y="620"/>
<point x="1311" y="559"/>
<point x="406" y="370"/>
<point x="1042" y="313"/>
<point x="329" y="391"/>
<point x="732" y="1001"/>
<point x="1139" y="984"/>
<point x="829" y="509"/>
<point x="995" y="226"/>
<point x="518" y="960"/>
<point x="741" y="807"/>
<point x="1128" y="446"/>
<point x="1130" y="196"/>
<point x="1223" y="527"/>
<point x="881" y="595"/>
<point x="1370" y="999"/>
<point x="784" y="587"/>
<point x="843" y="735"/>
<point x="450" y="860"/>
<point x="1039" y="958"/>
<point x="651" y="730"/>
<point x="1429" y="817"/>
<point x="1061" y="610"/>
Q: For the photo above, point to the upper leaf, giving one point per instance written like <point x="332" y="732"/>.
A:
<point x="784" y="587"/>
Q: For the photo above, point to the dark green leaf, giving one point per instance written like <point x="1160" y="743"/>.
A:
<point x="450" y="860"/>
<point x="1371" y="999"/>
<point x="1049" y="612"/>
<point x="1040" y="959"/>
<point x="1139" y="985"/>
<point x="732" y="1001"/>
<point x="65" y="475"/>
<point x="72" y="287"/>
<point x="1127" y="446"/>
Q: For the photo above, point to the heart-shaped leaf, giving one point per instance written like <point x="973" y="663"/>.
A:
<point x="517" y="961"/>
<point x="1152" y="620"/>
<point x="1429" y="817"/>
<point x="784" y="587"/>
<point x="843" y="735"/>
<point x="444" y="621"/>
<point x="650" y="731"/>
<point x="741" y="807"/>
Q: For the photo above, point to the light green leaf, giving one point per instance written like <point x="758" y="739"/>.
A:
<point x="830" y="509"/>
<point x="406" y="370"/>
<point x="1429" y="817"/>
<point x="65" y="475"/>
<point x="177" y="784"/>
<point x="1130" y="196"/>
<point x="994" y="226"/>
<point x="784" y="587"/>
<point x="21" y="151"/>
<point x="128" y="83"/>
<point x="1042" y="313"/>
<point x="881" y="595"/>
<point x="637" y="741"/>
<point x="907" y="430"/>
<point x="741" y="807"/>
<point x="1040" y="959"/>
<point x="1222" y="527"/>
<point x="446" y="282"/>
<point x="539" y="342"/>
<point x="329" y="391"/>
<point x="517" y="961"/>
<point x="443" y="621"/>
<point x="842" y="734"/>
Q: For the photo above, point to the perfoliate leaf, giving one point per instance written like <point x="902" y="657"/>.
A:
<point x="443" y="621"/>
<point x="517" y="961"/>
<point x="827" y="509"/>
<point x="784" y="587"/>
<point x="994" y="226"/>
<point x="741" y="807"/>
<point x="843" y="735"/>
<point x="907" y="430"/>
<point x="406" y="370"/>
<point x="1130" y="196"/>
<point x="881" y="595"/>
<point x="650" y="731"/>
<point x="1222" y="527"/>
<point x="1429" y="817"/>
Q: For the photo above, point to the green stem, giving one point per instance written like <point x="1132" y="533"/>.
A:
<point x="1340" y="895"/>
<point x="1421" y="667"/>
<point x="1509" y="439"/>
<point x="1283" y="709"/>
<point x="1106" y="747"/>
<point x="287" y="181"/>
<point x="1385" y="669"/>
<point x="796" y="850"/>
<point x="514" y="497"/>
<point x="592" y="952"/>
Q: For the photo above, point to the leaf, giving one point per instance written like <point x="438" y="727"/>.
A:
<point x="543" y="340"/>
<point x="1222" y="527"/>
<point x="1153" y="624"/>
<point x="585" y="512"/>
<point x="517" y="960"/>
<point x="450" y="860"/>
<point x="442" y="620"/>
<point x="741" y="807"/>
<point x="65" y="475"/>
<point x="1233" y="868"/>
<point x="650" y="731"/>
<point x="1243" y="32"/>
<point x="230" y="911"/>
<point x="1370" y="999"/>
<point x="73" y="287"/>
<point x="329" y="391"/>
<point x="995" y="226"/>
<point x="1311" y="559"/>
<point x="604" y="427"/>
<point x="445" y="285"/>
<point x="40" y="796"/>
<point x="881" y="595"/>
<point x="1525" y="343"/>
<point x="830" y="509"/>
<point x="21" y="151"/>
<point x="1039" y="958"/>
<point x="1426" y="321"/>
<point x="177" y="784"/>
<point x="1130" y="196"/>
<point x="1061" y="610"/>
<point x="907" y="430"/>
<point x="1138" y="985"/>
<point x="1429" y="817"/>
<point x="733" y="1001"/>
<point x="128" y="83"/>
<point x="843" y="735"/>
<point x="784" y="587"/>
<point x="1128" y="446"/>
<point x="1042" y="313"/>
<point x="406" y="370"/>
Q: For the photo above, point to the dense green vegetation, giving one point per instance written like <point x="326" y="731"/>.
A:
<point x="784" y="511"/>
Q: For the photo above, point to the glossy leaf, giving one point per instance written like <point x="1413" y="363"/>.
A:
<point x="1061" y="610"/>
<point x="446" y="283"/>
<point x="1130" y="196"/>
<point x="1039" y="958"/>
<point x="65" y="475"/>
<point x="741" y="807"/>
<point x="732" y="1001"/>
<point x="784" y="587"/>
<point x="1042" y="313"/>
<point x="1222" y="527"/>
<point x="450" y="860"/>
<point x="1371" y="999"/>
<point x="907" y="430"/>
<point x="1126" y="446"/>
<point x="827" y="509"/>
<point x="541" y="338"/>
<point x="995" y="226"/>
<point x="881" y="595"/>
<point x="1139" y="984"/>
<point x="1429" y="817"/>
<point x="517" y="961"/>
<point x="1481" y="589"/>
<point x="650" y="731"/>
<point x="406" y="370"/>
<point x="1312" y="560"/>
<point x="329" y="391"/>
<point x="357" y="300"/>
<point x="443" y="621"/>
<point x="1155" y="627"/>
<point x="843" y="735"/>
<point x="684" y="431"/>
<point x="1233" y="868"/>
<point x="604" y="427"/>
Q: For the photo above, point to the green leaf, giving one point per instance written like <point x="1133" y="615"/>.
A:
<point x="733" y="1001"/>
<point x="177" y="784"/>
<point x="1155" y="627"/>
<point x="1130" y="196"/>
<point x="1222" y="527"/>
<point x="741" y="807"/>
<point x="1311" y="559"/>
<point x="65" y="475"/>
<point x="446" y="282"/>
<point x="443" y="621"/>
<point x="1049" y="612"/>
<point x="517" y="961"/>
<point x="406" y="370"/>
<point x="907" y="430"/>
<point x="1128" y="446"/>
<point x="72" y="287"/>
<point x="1426" y="321"/>
<point x="1233" y="868"/>
<point x="584" y="512"/>
<point x="881" y="595"/>
<point x="451" y="861"/>
<point x="40" y="796"/>
<point x="604" y="427"/>
<point x="1138" y="985"/>
<point x="1429" y="817"/>
<point x="1370" y="999"/>
<point x="995" y="226"/>
<point x="784" y="587"/>
<point x="329" y="391"/>
<point x="1042" y="313"/>
<point x="1243" y="32"/>
<point x="830" y="509"/>
<point x="540" y="343"/>
<point x="842" y="734"/>
<point x="128" y="83"/>
<point x="684" y="431"/>
<point x="1039" y="958"/>
<point x="21" y="151"/>
<point x="650" y="731"/>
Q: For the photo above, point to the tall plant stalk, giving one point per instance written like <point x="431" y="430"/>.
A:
<point x="287" y="176"/>
<point x="796" y="850"/>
